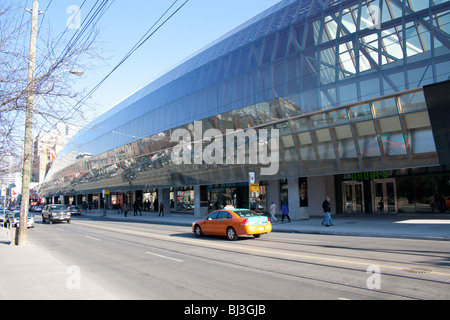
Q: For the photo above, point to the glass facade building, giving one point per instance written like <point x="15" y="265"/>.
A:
<point x="343" y="82"/>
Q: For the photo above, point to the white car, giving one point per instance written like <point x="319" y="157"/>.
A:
<point x="14" y="220"/>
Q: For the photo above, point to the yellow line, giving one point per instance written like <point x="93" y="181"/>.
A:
<point x="230" y="246"/>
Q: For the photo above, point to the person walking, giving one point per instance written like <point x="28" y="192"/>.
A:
<point x="135" y="208"/>
<point x="273" y="211"/>
<point x="285" y="212"/>
<point x="161" y="209"/>
<point x="326" y="206"/>
<point x="126" y="207"/>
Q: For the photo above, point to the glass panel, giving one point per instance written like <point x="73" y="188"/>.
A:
<point x="379" y="200"/>
<point x="278" y="80"/>
<point x="282" y="45"/>
<point x="368" y="146"/>
<point x="412" y="102"/>
<point x="361" y="112"/>
<point x="370" y="88"/>
<point x="338" y="117"/>
<point x="293" y="76"/>
<point x="250" y="116"/>
<point x="390" y="197"/>
<point x="385" y="107"/>
<point x="420" y="138"/>
<point x="346" y="60"/>
<point x="309" y="73"/>
<point x="287" y="148"/>
<point x="244" y="60"/>
<point x="405" y="194"/>
<point x="326" y="151"/>
<point x="277" y="109"/>
<point x="318" y="121"/>
<point x="348" y="92"/>
<point x="359" y="197"/>
<point x="263" y="112"/>
<point x="268" y="49"/>
<point x="346" y="148"/>
<point x="348" y="192"/>
<point x="292" y="105"/>
<point x="327" y="66"/>
<point x="393" y="142"/>
<point x="300" y="124"/>
<point x="306" y="150"/>
<point x="296" y="39"/>
<point x="284" y="128"/>
<point x="309" y="101"/>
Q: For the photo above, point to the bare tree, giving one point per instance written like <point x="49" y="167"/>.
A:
<point x="55" y="99"/>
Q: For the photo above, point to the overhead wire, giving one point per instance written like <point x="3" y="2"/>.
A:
<point x="139" y="44"/>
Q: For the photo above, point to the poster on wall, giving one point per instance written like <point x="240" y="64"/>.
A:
<point x="303" y="190"/>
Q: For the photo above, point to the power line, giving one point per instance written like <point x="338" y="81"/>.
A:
<point x="145" y="38"/>
<point x="141" y="41"/>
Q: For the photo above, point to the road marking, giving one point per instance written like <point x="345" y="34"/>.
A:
<point x="161" y="256"/>
<point x="93" y="238"/>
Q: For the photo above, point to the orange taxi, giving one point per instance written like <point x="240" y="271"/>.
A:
<point x="232" y="223"/>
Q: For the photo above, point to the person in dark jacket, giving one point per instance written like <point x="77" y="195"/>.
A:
<point x="326" y="206"/>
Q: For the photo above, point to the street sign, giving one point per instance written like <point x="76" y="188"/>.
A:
<point x="254" y="187"/>
<point x="251" y="177"/>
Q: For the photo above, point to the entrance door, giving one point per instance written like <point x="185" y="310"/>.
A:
<point x="384" y="196"/>
<point x="353" y="197"/>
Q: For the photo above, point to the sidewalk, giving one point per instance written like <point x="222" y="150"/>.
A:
<point x="432" y="227"/>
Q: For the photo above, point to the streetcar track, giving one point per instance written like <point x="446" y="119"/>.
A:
<point x="325" y="257"/>
<point x="262" y="269"/>
<point x="162" y="231"/>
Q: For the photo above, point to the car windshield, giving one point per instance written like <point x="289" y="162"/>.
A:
<point x="58" y="207"/>
<point x="17" y="215"/>
<point x="245" y="213"/>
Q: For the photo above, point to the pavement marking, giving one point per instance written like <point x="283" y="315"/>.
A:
<point x="215" y="245"/>
<point x="96" y="239"/>
<point x="161" y="256"/>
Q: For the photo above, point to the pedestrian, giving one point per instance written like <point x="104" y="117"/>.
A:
<point x="135" y="208"/>
<point x="161" y="209"/>
<point x="326" y="206"/>
<point x="285" y="212"/>
<point x="126" y="208"/>
<point x="273" y="211"/>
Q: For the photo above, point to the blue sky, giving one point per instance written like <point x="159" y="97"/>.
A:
<point x="197" y="24"/>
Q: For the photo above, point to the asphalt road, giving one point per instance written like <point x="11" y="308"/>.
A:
<point x="148" y="261"/>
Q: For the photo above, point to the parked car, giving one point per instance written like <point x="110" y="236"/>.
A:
<point x="36" y="208"/>
<point x="74" y="210"/>
<point x="14" y="220"/>
<point x="55" y="213"/>
<point x="232" y="223"/>
<point x="3" y="217"/>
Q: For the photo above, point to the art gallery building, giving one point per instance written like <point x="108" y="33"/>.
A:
<point x="358" y="91"/>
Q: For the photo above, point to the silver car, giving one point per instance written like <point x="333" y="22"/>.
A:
<point x="14" y="220"/>
<point x="55" y="213"/>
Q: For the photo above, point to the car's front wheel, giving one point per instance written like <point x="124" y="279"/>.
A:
<point x="231" y="234"/>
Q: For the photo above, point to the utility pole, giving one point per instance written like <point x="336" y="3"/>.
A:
<point x="21" y="239"/>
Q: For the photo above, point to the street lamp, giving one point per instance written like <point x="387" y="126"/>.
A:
<point x="76" y="72"/>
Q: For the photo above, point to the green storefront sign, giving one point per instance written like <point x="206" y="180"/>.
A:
<point x="371" y="175"/>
